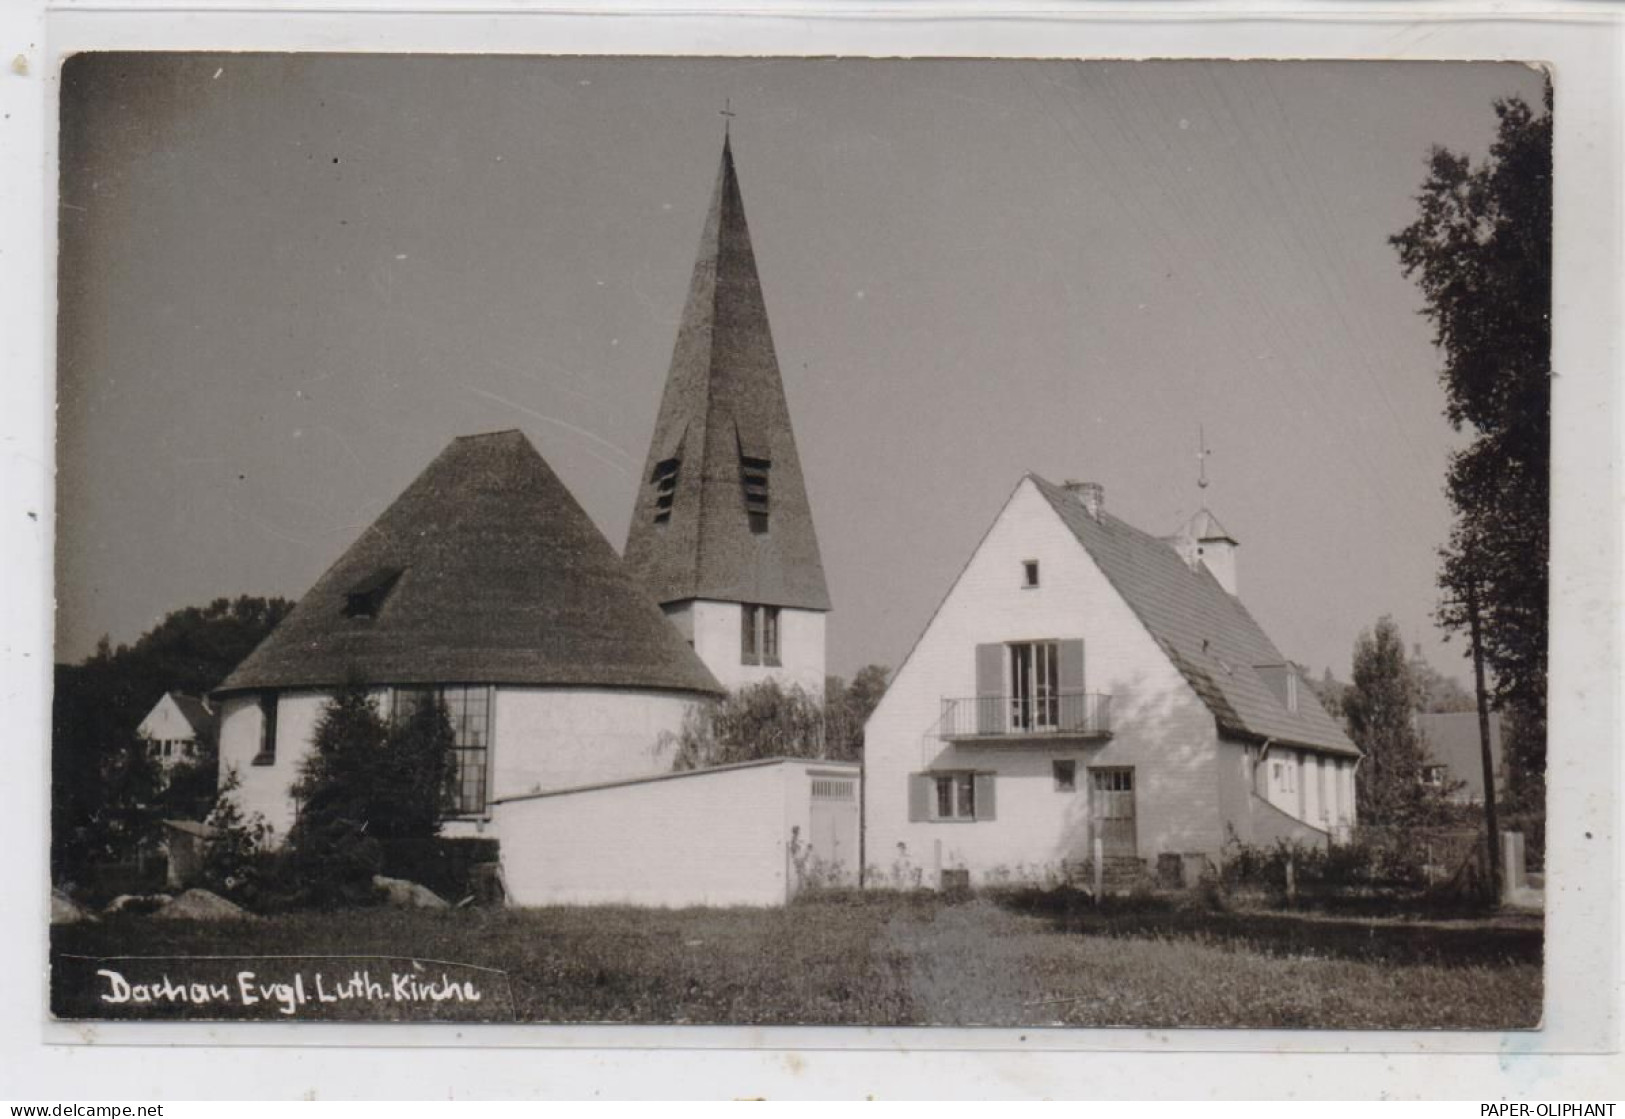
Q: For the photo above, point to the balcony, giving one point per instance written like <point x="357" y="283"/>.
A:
<point x="993" y="717"/>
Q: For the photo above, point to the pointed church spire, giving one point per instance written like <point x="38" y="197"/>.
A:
<point x="722" y="512"/>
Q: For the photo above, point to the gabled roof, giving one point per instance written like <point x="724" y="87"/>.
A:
<point x="1452" y="740"/>
<point x="503" y="579"/>
<point x="194" y="710"/>
<point x="724" y="403"/>
<point x="1206" y="632"/>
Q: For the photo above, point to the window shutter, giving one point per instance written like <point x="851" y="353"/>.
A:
<point x="984" y="796"/>
<point x="989" y="689"/>
<point x="1071" y="667"/>
<point x="919" y="797"/>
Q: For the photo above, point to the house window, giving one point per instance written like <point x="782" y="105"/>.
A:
<point x="267" y="754"/>
<point x="950" y="796"/>
<point x="1066" y="775"/>
<point x="753" y="480"/>
<point x="759" y="635"/>
<point x="1035" y="685"/>
<point x="1285" y="776"/>
<point x="470" y="712"/>
<point x="1433" y="775"/>
<point x="1120" y="780"/>
<point x="665" y="484"/>
<point x="956" y="796"/>
<point x="1029" y="573"/>
<point x="468" y="709"/>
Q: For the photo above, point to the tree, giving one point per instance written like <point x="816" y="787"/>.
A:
<point x="1438" y="694"/>
<point x="192" y="784"/>
<point x="393" y="779"/>
<point x="1481" y="252"/>
<point x="1329" y="691"/>
<point x="1380" y="707"/>
<point x="105" y="799"/>
<point x="366" y="780"/>
<point x="847" y="708"/>
<point x="765" y="720"/>
<point x="104" y="780"/>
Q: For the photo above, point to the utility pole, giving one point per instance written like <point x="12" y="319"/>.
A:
<point x="1488" y="759"/>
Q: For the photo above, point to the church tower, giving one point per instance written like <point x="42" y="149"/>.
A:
<point x="722" y="533"/>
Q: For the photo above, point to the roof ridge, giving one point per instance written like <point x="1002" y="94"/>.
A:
<point x="1186" y="606"/>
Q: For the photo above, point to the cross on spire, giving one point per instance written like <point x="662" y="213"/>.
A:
<point x="727" y="114"/>
<point x="1202" y="452"/>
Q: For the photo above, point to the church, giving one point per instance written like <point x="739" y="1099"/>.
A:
<point x="566" y="668"/>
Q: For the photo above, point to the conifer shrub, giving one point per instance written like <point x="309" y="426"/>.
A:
<point x="366" y="781"/>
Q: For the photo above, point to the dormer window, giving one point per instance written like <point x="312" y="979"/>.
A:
<point x="1282" y="680"/>
<point x="366" y="598"/>
<point x="665" y="484"/>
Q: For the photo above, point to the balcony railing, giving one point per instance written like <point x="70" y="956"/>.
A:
<point x="1065" y="714"/>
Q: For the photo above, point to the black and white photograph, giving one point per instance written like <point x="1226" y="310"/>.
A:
<point x="802" y="541"/>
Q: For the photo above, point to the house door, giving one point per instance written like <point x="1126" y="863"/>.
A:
<point x="833" y="821"/>
<point x="1111" y="812"/>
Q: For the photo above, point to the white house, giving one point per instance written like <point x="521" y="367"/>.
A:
<point x="722" y="531"/>
<point x="1083" y="680"/>
<point x="486" y="584"/>
<point x="173" y="726"/>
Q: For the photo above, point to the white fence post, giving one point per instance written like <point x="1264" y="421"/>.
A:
<point x="1100" y="869"/>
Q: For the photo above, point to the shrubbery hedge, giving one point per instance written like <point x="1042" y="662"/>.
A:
<point x="443" y="864"/>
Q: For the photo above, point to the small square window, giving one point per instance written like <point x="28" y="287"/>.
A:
<point x="1029" y="573"/>
<point x="1066" y="775"/>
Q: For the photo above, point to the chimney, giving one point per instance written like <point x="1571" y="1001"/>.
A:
<point x="1091" y="495"/>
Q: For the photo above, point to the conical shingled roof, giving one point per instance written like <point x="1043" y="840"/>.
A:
<point x="484" y="571"/>
<point x="1207" y="633"/>
<point x="724" y="404"/>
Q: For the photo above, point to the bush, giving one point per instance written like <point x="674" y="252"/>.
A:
<point x="365" y="781"/>
<point x="1346" y="866"/>
<point x="236" y="862"/>
<point x="442" y="864"/>
<point x="331" y="866"/>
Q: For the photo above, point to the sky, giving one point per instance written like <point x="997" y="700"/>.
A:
<point x="287" y="281"/>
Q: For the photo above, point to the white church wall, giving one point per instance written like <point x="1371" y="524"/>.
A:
<point x="714" y="628"/>
<point x="553" y="738"/>
<point x="264" y="789"/>
<point x="542" y="738"/>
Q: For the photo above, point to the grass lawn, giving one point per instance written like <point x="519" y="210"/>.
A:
<point x="888" y="960"/>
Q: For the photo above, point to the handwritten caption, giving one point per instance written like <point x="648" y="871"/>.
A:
<point x="334" y="988"/>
